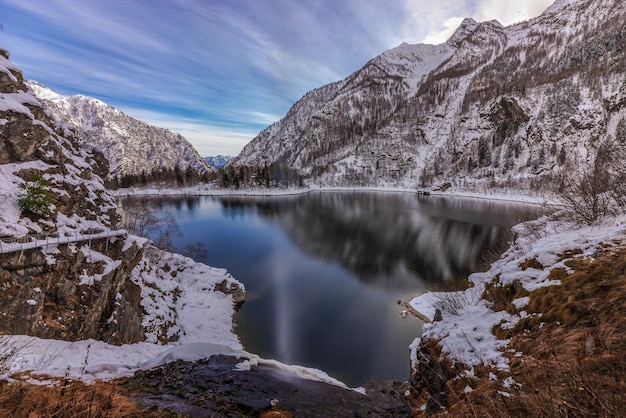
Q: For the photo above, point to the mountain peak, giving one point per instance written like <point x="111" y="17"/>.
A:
<point x="467" y="26"/>
<point x="518" y="105"/>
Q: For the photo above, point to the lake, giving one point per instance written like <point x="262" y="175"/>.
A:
<point x="324" y="271"/>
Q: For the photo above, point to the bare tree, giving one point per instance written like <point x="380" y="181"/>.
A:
<point x="599" y="191"/>
<point x="145" y="223"/>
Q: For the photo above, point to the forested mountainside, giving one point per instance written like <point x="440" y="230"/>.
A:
<point x="138" y="153"/>
<point x="493" y="107"/>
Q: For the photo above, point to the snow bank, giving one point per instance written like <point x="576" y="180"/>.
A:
<point x="178" y="295"/>
<point x="467" y="320"/>
<point x="180" y="301"/>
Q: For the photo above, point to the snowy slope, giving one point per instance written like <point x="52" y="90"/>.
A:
<point x="508" y="107"/>
<point x="131" y="146"/>
<point x="465" y="327"/>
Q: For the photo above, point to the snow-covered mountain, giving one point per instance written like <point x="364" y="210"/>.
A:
<point x="511" y="107"/>
<point x="218" y="161"/>
<point x="136" y="151"/>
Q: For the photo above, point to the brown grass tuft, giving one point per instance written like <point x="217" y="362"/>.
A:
<point x="531" y="263"/>
<point x="69" y="399"/>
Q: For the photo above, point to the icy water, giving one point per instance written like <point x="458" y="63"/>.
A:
<point x="323" y="271"/>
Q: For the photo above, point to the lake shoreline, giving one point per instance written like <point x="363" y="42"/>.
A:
<point x="540" y="200"/>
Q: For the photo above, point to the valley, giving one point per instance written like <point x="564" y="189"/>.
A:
<point x="478" y="183"/>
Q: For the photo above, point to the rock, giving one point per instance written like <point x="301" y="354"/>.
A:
<point x="233" y="289"/>
<point x="69" y="310"/>
<point x="261" y="391"/>
<point x="508" y="116"/>
<point x="437" y="316"/>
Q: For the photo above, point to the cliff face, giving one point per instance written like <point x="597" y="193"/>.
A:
<point x="511" y="107"/>
<point x="66" y="290"/>
<point x="45" y="294"/>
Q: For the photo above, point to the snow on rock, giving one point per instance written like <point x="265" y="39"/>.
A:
<point x="88" y="360"/>
<point x="465" y="329"/>
<point x="180" y="301"/>
<point x="107" y="265"/>
<point x="199" y="351"/>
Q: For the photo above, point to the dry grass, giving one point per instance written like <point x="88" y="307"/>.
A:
<point x="571" y="359"/>
<point x="69" y="399"/>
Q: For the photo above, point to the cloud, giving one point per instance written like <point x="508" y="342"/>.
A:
<point x="435" y="22"/>
<point x="510" y="12"/>
<point x="449" y="26"/>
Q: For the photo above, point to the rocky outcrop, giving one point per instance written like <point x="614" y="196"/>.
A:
<point x="47" y="293"/>
<point x="234" y="289"/>
<point x="213" y="387"/>
<point x="507" y="116"/>
<point x="62" y="291"/>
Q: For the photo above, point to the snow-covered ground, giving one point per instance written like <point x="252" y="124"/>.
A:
<point x="185" y="305"/>
<point x="465" y="330"/>
<point x="181" y="302"/>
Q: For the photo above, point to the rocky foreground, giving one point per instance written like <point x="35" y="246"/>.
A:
<point x="213" y="387"/>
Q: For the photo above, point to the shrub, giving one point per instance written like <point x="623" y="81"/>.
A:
<point x="35" y="199"/>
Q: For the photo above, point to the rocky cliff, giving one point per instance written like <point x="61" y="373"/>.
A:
<point x="511" y="107"/>
<point x="64" y="288"/>
<point x="67" y="270"/>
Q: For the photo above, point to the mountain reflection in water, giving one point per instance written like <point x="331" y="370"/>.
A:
<point x="397" y="241"/>
<point x="323" y="270"/>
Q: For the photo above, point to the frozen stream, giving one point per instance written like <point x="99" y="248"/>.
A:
<point x="323" y="271"/>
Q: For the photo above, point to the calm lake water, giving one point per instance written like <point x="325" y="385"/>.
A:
<point x="323" y="271"/>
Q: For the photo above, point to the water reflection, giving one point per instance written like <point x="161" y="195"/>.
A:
<point x="323" y="271"/>
<point x="397" y="241"/>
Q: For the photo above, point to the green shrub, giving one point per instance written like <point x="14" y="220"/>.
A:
<point x="35" y="199"/>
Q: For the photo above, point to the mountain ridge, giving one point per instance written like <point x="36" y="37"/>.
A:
<point x="493" y="107"/>
<point x="137" y="151"/>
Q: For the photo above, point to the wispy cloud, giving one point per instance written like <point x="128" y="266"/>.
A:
<point x="220" y="71"/>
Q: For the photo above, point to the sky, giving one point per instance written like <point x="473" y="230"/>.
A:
<point x="220" y="71"/>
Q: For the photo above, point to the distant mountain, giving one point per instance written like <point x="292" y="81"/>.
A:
<point x="218" y="161"/>
<point x="137" y="152"/>
<point x="493" y="107"/>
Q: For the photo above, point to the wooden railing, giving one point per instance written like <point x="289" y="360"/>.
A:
<point x="11" y="245"/>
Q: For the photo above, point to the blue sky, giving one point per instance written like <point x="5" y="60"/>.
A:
<point x="220" y="71"/>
